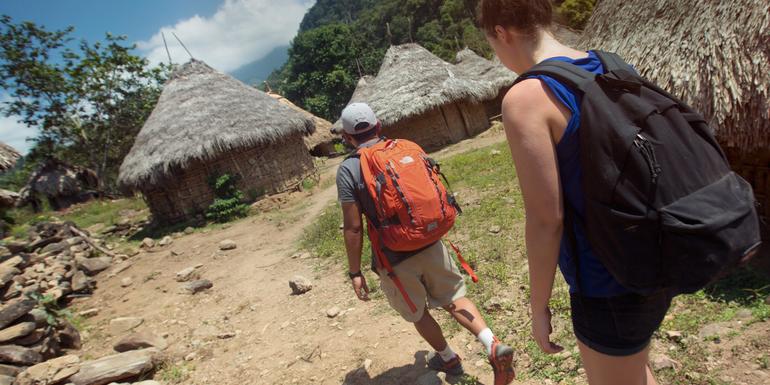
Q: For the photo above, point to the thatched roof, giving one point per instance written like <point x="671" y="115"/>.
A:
<point x="412" y="80"/>
<point x="476" y="67"/>
<point x="8" y="156"/>
<point x="55" y="178"/>
<point x="715" y="55"/>
<point x="200" y="114"/>
<point x="322" y="132"/>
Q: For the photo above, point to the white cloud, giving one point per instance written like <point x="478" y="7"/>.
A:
<point x="240" y="32"/>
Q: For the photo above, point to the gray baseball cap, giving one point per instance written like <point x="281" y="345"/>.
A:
<point x="358" y="118"/>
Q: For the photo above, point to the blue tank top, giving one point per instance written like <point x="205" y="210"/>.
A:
<point x="595" y="280"/>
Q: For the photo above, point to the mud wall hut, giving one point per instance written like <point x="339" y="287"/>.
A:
<point x="8" y="157"/>
<point x="498" y="78"/>
<point x="321" y="142"/>
<point x="715" y="55"/>
<point x="418" y="96"/>
<point x="205" y="124"/>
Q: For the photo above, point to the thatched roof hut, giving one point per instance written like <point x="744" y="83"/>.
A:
<point x="207" y="123"/>
<point x="61" y="183"/>
<point x="8" y="156"/>
<point x="420" y="97"/>
<point x="320" y="143"/>
<point x="715" y="55"/>
<point x="498" y="78"/>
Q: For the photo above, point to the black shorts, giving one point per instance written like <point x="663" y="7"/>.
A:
<point x="621" y="325"/>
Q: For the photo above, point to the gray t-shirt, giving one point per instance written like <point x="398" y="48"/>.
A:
<point x="351" y="189"/>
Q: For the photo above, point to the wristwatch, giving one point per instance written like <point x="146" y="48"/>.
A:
<point x="353" y="275"/>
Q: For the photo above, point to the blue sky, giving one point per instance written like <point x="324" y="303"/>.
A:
<point x="224" y="33"/>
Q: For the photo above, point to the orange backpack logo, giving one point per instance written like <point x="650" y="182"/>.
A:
<point x="414" y="209"/>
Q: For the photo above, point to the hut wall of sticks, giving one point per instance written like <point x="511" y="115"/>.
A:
<point x="418" y="96"/>
<point x="207" y="123"/>
<point x="715" y="55"/>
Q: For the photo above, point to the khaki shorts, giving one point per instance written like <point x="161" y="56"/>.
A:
<point x="431" y="278"/>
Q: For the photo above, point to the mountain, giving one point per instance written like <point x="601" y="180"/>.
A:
<point x="257" y="71"/>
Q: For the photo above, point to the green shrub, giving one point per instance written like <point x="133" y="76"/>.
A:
<point x="577" y="12"/>
<point x="228" y="202"/>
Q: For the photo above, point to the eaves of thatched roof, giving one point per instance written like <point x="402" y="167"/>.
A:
<point x="412" y="80"/>
<point x="8" y="156"/>
<point x="202" y="113"/>
<point x="323" y="127"/>
<point x="715" y="55"/>
<point x="473" y="66"/>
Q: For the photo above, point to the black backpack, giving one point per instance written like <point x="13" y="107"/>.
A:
<point x="662" y="207"/>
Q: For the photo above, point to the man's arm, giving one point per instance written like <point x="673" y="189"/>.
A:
<point x="354" y="238"/>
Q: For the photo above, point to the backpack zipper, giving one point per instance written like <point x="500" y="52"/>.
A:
<point x="435" y="185"/>
<point x="648" y="153"/>
<point x="394" y="179"/>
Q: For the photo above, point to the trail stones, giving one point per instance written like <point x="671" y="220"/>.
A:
<point x="147" y="243"/>
<point x="69" y="337"/>
<point x="662" y="361"/>
<point x="189" y="230"/>
<point x="674" y="335"/>
<point x="93" y="266"/>
<point x="167" y="240"/>
<point x="6" y="380"/>
<point x="367" y="364"/>
<point x="227" y="244"/>
<point x="15" y="309"/>
<point x="54" y="371"/>
<point x="10" y="370"/>
<point x="124" y="324"/>
<point x="16" y="331"/>
<point x="495" y="229"/>
<point x="300" y="285"/>
<point x="195" y="287"/>
<point x="714" y="331"/>
<point x="126" y="282"/>
<point x="186" y="274"/>
<point x="333" y="312"/>
<point x="115" y="367"/>
<point x="18" y="355"/>
<point x="88" y="313"/>
<point x="140" y="340"/>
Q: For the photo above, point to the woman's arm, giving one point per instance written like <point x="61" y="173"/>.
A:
<point x="529" y="114"/>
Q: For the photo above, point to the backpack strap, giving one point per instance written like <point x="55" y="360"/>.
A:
<point x="611" y="61"/>
<point x="567" y="73"/>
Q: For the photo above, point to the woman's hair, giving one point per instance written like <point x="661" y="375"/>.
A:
<point x="524" y="15"/>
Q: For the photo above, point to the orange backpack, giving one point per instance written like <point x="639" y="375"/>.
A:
<point x="414" y="209"/>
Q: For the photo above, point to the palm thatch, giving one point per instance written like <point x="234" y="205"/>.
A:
<point x="200" y="114"/>
<point x="715" y="55"/>
<point x="412" y="80"/>
<point x="473" y="66"/>
<point x="8" y="156"/>
<point x="322" y="137"/>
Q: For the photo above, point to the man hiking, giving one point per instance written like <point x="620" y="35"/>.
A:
<point x="415" y="270"/>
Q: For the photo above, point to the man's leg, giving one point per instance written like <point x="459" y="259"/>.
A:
<point x="430" y="330"/>
<point x="465" y="312"/>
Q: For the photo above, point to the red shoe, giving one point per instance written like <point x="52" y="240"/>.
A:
<point x="501" y="360"/>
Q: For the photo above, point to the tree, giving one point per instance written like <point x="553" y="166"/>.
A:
<point x="88" y="104"/>
<point x="576" y="12"/>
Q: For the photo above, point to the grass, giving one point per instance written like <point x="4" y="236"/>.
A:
<point x="170" y="373"/>
<point x="486" y="186"/>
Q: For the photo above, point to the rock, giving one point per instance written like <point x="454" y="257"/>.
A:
<point x="119" y="268"/>
<point x="226" y="335"/>
<point x="16" y="331"/>
<point x="10" y="370"/>
<point x="148" y="382"/>
<point x="494" y="229"/>
<point x="674" y="335"/>
<point x="18" y="355"/>
<point x="80" y="282"/>
<point x="7" y="273"/>
<point x="227" y="244"/>
<point x="54" y="371"/>
<point x="186" y="274"/>
<point x="189" y="230"/>
<point x="714" y="331"/>
<point x="6" y="380"/>
<point x="88" y="313"/>
<point x="300" y="285"/>
<point x="496" y="304"/>
<point x="126" y="282"/>
<point x="116" y="367"/>
<point x="140" y="340"/>
<point x="332" y="312"/>
<point x="93" y="266"/>
<point x="429" y="378"/>
<point x="147" y="243"/>
<point x="40" y="316"/>
<point x="48" y="347"/>
<point x="744" y="314"/>
<point x="124" y="324"/>
<point x="165" y="241"/>
<point x="367" y="364"/>
<point x="662" y="361"/>
<point x="15" y="309"/>
<point x="69" y="337"/>
<point x="55" y="248"/>
<point x="495" y="152"/>
<point x="195" y="287"/>
<point x="190" y="357"/>
<point x="32" y="338"/>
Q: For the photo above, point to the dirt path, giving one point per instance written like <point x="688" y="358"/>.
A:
<point x="249" y="329"/>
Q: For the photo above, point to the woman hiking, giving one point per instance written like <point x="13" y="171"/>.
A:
<point x="541" y="117"/>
